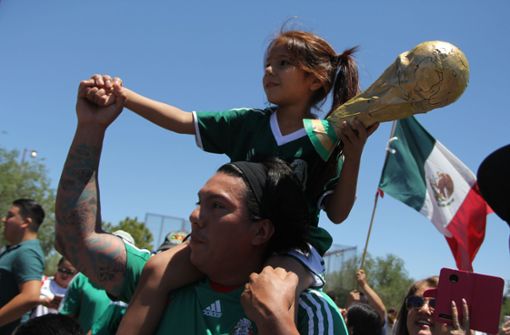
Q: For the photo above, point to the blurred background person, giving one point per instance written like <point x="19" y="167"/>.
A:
<point x="49" y="324"/>
<point x="21" y="263"/>
<point x="391" y="318"/>
<point x="366" y="313"/>
<point x="171" y="240"/>
<point x="54" y="288"/>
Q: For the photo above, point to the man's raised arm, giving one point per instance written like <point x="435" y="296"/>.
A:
<point x="79" y="237"/>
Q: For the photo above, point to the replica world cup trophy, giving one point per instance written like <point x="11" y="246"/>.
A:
<point x="432" y="75"/>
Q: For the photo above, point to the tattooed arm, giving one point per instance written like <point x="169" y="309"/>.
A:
<point x="79" y="237"/>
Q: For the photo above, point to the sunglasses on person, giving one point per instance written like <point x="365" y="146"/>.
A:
<point x="416" y="301"/>
<point x="66" y="271"/>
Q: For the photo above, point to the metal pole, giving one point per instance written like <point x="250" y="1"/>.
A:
<point x="389" y="150"/>
<point x="369" y="230"/>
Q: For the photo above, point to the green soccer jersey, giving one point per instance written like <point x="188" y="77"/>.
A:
<point x="203" y="308"/>
<point x="85" y="301"/>
<point x="109" y="321"/>
<point x="18" y="264"/>
<point x="247" y="134"/>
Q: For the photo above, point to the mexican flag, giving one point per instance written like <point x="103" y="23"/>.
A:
<point x="423" y="174"/>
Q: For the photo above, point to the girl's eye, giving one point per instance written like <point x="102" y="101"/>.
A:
<point x="284" y="62"/>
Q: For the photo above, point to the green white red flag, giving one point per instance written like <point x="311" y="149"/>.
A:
<point x="423" y="174"/>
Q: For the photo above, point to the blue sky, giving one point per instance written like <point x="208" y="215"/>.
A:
<point x="207" y="55"/>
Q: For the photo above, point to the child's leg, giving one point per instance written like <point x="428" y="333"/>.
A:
<point x="163" y="273"/>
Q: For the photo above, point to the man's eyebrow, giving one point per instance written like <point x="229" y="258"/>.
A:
<point x="214" y="196"/>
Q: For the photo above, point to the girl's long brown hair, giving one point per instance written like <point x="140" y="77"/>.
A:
<point x="338" y="73"/>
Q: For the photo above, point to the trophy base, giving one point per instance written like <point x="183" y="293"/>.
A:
<point x="322" y="135"/>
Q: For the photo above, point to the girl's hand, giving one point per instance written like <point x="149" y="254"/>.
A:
<point x="102" y="92"/>
<point x="94" y="108"/>
<point x="354" y="135"/>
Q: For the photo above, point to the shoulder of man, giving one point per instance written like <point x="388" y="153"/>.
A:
<point x="28" y="261"/>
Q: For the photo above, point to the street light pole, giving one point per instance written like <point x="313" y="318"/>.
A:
<point x="32" y="152"/>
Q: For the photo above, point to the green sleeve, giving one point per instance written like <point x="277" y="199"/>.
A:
<point x="221" y="132"/>
<point x="29" y="265"/>
<point x="318" y="314"/>
<point x="135" y="261"/>
<point x="72" y="300"/>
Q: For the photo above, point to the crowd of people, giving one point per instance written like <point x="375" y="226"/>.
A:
<point x="253" y="260"/>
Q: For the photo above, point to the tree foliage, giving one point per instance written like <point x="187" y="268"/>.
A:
<point x="386" y="275"/>
<point x="27" y="178"/>
<point x="141" y="234"/>
<point x="505" y="309"/>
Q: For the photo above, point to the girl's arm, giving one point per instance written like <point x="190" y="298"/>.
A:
<point x="162" y="274"/>
<point x="354" y="136"/>
<point x="164" y="115"/>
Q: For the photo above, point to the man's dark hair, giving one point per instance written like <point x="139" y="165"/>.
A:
<point x="50" y="324"/>
<point x="30" y="208"/>
<point x="283" y="202"/>
<point x="363" y="319"/>
<point x="494" y="181"/>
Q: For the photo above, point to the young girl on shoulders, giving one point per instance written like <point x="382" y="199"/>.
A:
<point x="300" y="70"/>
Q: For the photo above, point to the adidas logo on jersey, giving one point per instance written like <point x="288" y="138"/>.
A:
<point x="213" y="310"/>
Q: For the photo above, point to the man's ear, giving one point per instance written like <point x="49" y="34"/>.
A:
<point x="264" y="230"/>
<point x="27" y="222"/>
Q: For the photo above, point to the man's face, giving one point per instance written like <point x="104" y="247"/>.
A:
<point x="14" y="224"/>
<point x="222" y="232"/>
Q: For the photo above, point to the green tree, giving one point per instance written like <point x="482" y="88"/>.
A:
<point x="141" y="234"/>
<point x="27" y="179"/>
<point x="344" y="281"/>
<point x="389" y="278"/>
<point x="386" y="275"/>
<point x="505" y="308"/>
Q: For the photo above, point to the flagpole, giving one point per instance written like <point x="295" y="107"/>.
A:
<point x="388" y="151"/>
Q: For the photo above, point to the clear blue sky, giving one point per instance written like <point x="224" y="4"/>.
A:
<point x="207" y="55"/>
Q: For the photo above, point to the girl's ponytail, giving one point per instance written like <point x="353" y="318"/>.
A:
<point x="347" y="78"/>
<point x="346" y="87"/>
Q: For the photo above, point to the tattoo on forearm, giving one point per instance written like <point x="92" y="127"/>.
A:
<point x="77" y="194"/>
<point x="105" y="251"/>
<point x="99" y="256"/>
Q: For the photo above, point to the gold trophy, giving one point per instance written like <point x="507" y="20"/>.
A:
<point x="432" y="75"/>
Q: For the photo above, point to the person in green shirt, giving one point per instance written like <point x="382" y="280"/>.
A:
<point x="21" y="263"/>
<point x="246" y="212"/>
<point x="84" y="301"/>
